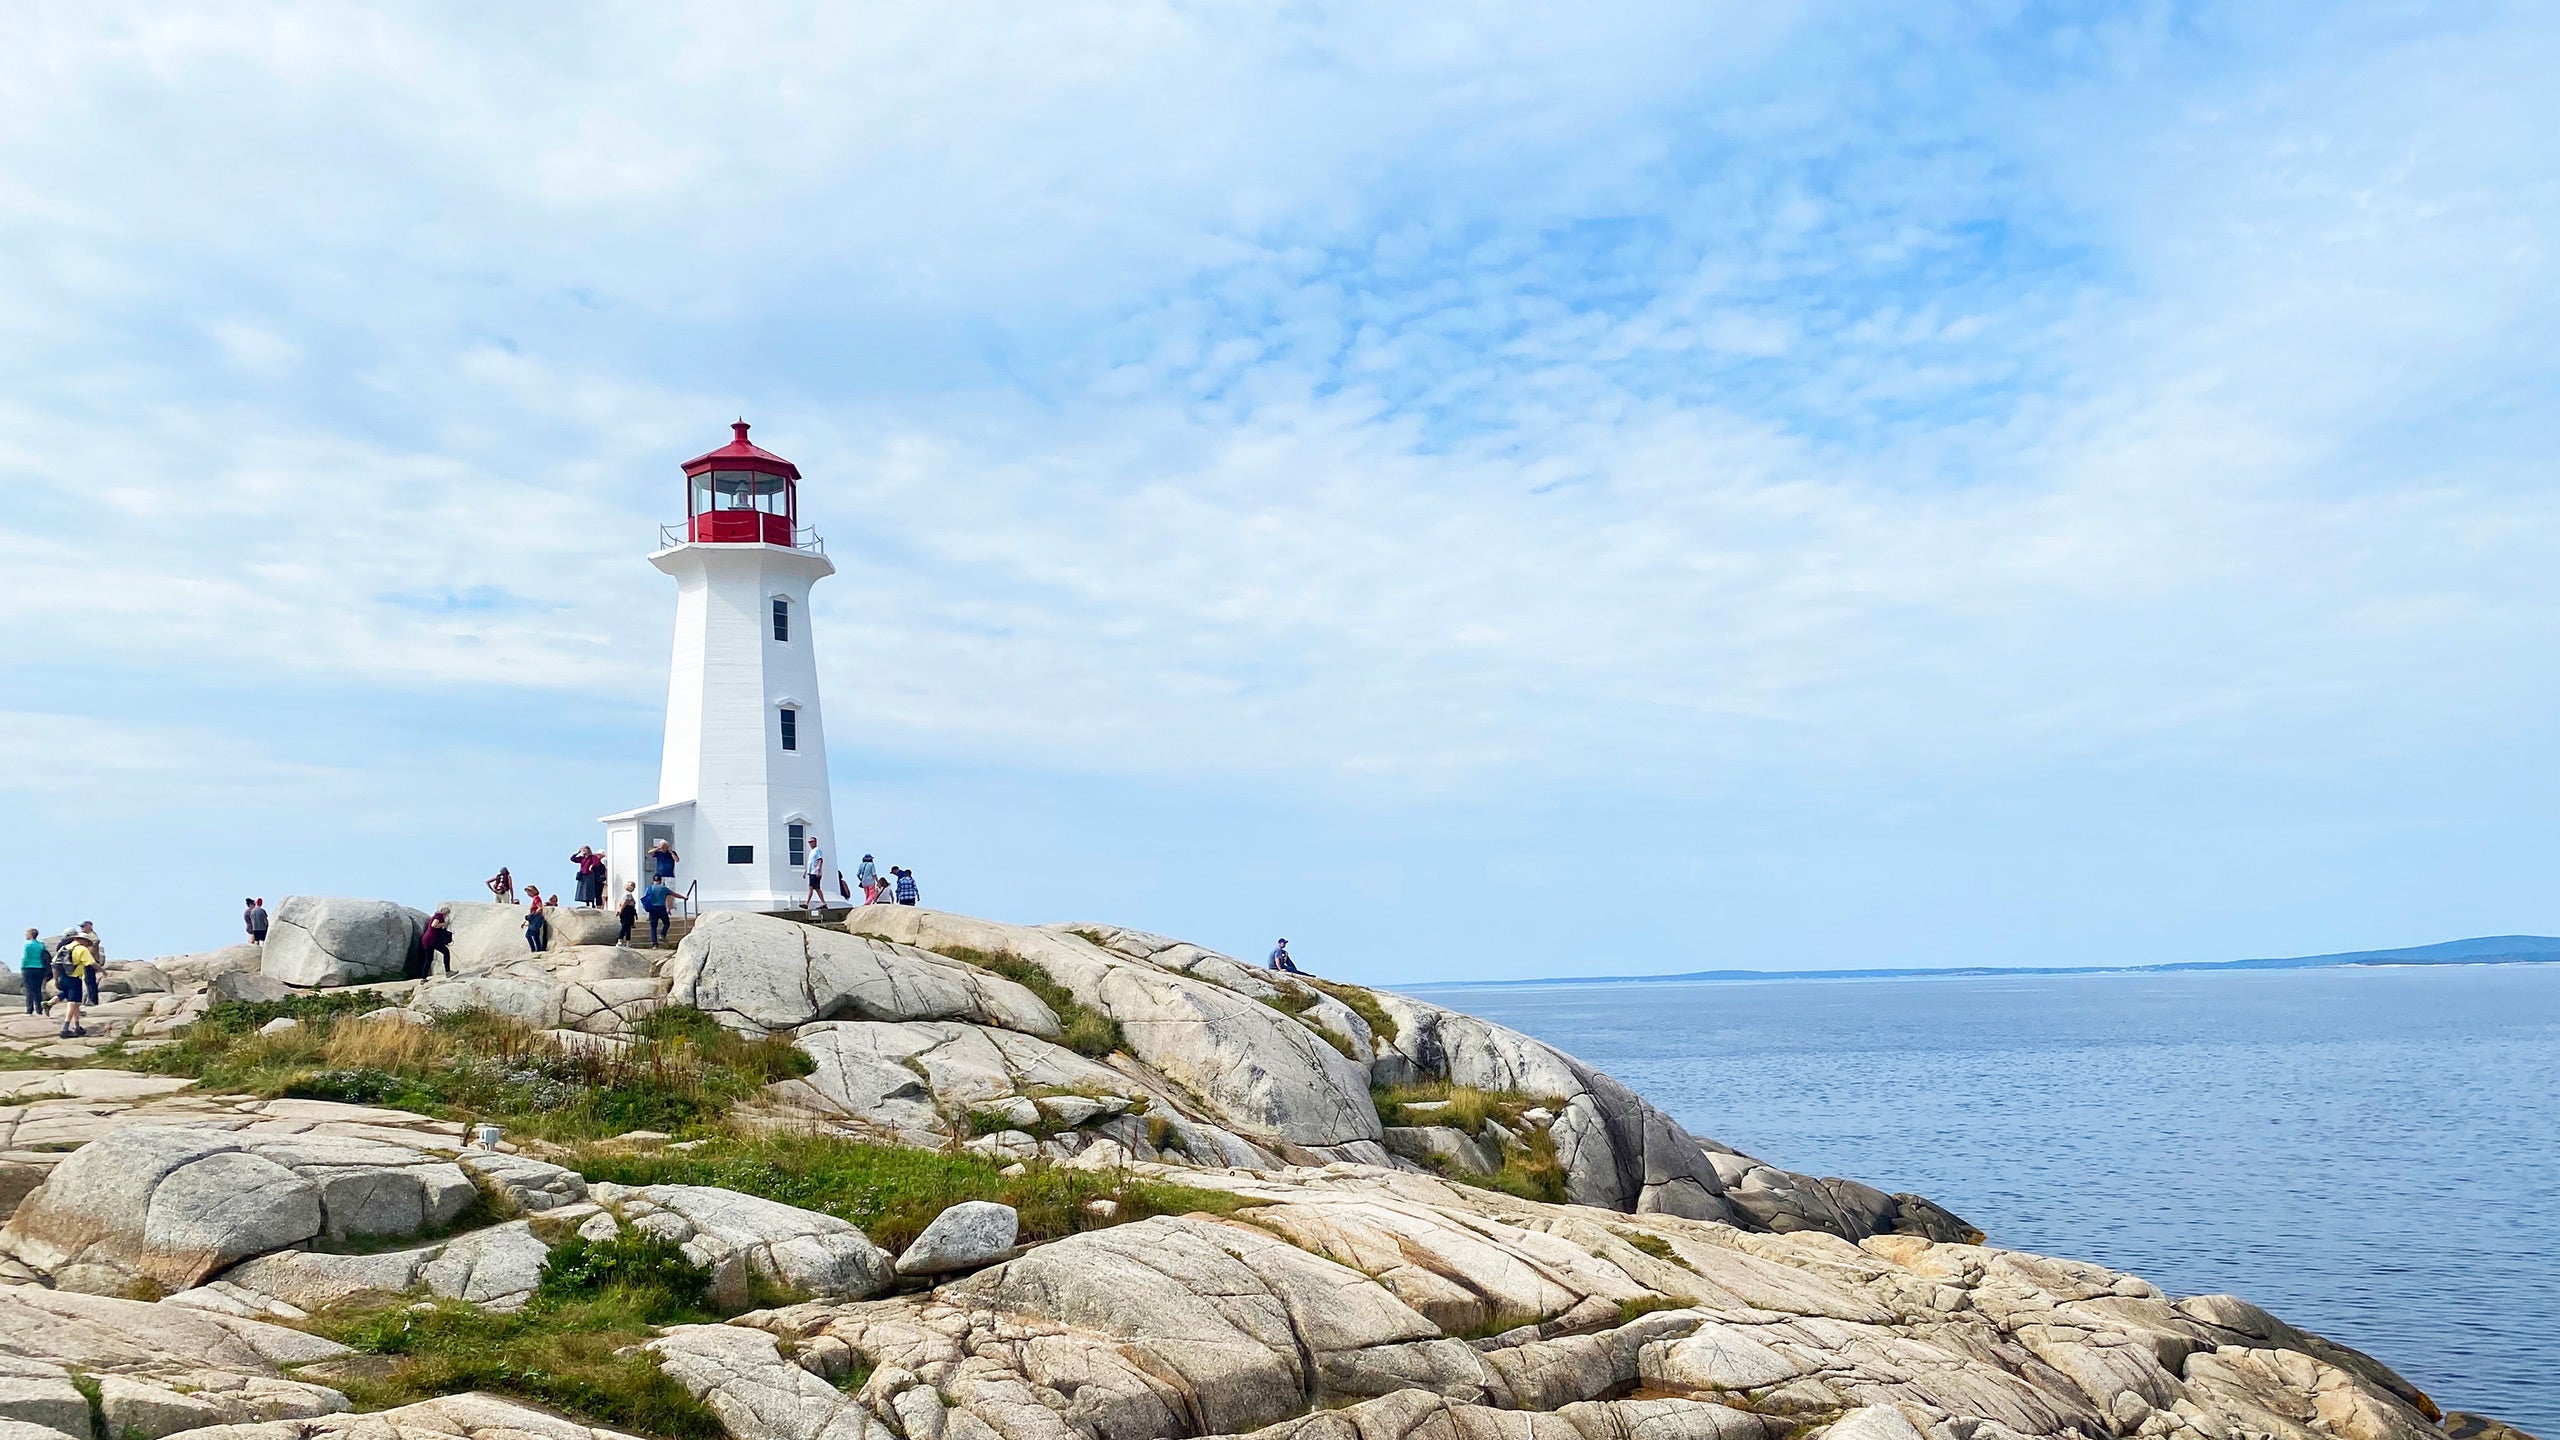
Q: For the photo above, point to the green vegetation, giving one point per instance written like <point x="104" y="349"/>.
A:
<point x="1645" y="1305"/>
<point x="1653" y="1245"/>
<point x="1362" y="1003"/>
<point x="683" y="1073"/>
<point x="596" y="1299"/>
<point x="893" y="1193"/>
<point x="1086" y="1031"/>
<point x="1530" y="1168"/>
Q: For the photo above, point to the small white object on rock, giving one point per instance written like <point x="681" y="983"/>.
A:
<point x="280" y="1025"/>
<point x="1104" y="1208"/>
<point x="965" y="1236"/>
<point x="1535" y="1115"/>
<point x="1015" y="1171"/>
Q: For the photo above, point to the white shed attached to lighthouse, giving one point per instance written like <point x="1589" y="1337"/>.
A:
<point x="742" y="783"/>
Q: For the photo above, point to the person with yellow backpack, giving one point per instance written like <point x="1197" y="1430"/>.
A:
<point x="77" y="961"/>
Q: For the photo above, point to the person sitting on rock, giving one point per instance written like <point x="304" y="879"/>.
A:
<point x="1280" y="958"/>
<point x="503" y="885"/>
<point x="537" y="926"/>
<point x="437" y="939"/>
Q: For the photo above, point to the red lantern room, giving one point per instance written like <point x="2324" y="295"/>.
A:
<point x="742" y="494"/>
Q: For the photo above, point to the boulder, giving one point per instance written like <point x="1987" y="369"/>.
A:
<point x="927" y="1077"/>
<point x="174" y="1206"/>
<point x="204" y="967"/>
<point x="323" y="940"/>
<point x="761" y="974"/>
<point x="1442" y="1147"/>
<point x="473" y="1416"/>
<point x="967" y="1236"/>
<point x="250" y="986"/>
<point x="1251" y="1067"/>
<point x="530" y="1185"/>
<point x="487" y="935"/>
<point x="523" y="992"/>
<point x="743" y="1238"/>
<point x="159" y="1368"/>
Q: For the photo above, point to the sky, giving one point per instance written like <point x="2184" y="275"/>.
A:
<point x="1481" y="490"/>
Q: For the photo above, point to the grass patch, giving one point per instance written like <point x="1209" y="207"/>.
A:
<point x="893" y="1193"/>
<point x="1529" y="1170"/>
<point x="595" y="1299"/>
<point x="1085" y="1030"/>
<point x="1362" y="1003"/>
<point x="683" y="1073"/>
<point x="1645" y="1305"/>
<point x="1653" y="1245"/>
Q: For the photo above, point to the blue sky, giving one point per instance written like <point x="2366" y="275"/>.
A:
<point x="1481" y="493"/>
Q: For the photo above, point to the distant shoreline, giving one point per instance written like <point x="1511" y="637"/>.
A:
<point x="2486" y="950"/>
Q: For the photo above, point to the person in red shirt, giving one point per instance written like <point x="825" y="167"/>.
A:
<point x="537" y="926"/>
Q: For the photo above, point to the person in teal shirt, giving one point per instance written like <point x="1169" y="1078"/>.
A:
<point x="33" y="964"/>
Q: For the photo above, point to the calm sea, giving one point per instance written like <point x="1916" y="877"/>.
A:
<point x="2373" y="1154"/>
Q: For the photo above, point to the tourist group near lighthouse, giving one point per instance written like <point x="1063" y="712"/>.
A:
<point x="742" y="779"/>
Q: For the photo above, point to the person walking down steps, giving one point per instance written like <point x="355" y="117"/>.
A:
<point x="655" y="900"/>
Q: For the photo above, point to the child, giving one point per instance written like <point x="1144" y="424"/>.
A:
<point x="628" y="911"/>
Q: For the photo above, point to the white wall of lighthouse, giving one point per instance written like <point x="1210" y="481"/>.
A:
<point x="745" y="755"/>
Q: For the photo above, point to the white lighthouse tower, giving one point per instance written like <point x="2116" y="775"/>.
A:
<point x="742" y="784"/>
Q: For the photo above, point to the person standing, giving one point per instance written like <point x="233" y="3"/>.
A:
<point x="97" y="957"/>
<point x="79" y="965"/>
<point x="815" y="897"/>
<point x="655" y="900"/>
<point x="537" y="926"/>
<point x="866" y="875"/>
<point x="255" y="917"/>
<point x="437" y="939"/>
<point x="33" y="963"/>
<point x="626" y="912"/>
<point x="503" y="886"/>
<point x="662" y="861"/>
<point x="906" y="886"/>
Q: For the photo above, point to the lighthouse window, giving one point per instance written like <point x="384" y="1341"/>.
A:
<point x="790" y="729"/>
<point x="781" y="618"/>
<point x="742" y="854"/>
<point x="799" y="842"/>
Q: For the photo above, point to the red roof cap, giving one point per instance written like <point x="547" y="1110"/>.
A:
<point x="740" y="455"/>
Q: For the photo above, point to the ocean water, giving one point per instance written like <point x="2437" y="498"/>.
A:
<point x="2373" y="1154"/>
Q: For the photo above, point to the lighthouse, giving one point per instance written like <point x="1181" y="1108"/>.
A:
<point x="742" y="781"/>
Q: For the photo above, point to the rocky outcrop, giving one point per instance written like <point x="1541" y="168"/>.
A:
<point x="489" y="936"/>
<point x="323" y="940"/>
<point x="1246" y="1066"/>
<point x="447" y="1417"/>
<point x="742" y="1239"/>
<point x="159" y="1369"/>
<point x="760" y="974"/>
<point x="173" y="1206"/>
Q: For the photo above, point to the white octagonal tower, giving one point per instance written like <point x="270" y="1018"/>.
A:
<point x="742" y="784"/>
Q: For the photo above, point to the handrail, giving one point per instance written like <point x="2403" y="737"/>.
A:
<point x="693" y="899"/>
<point x="804" y="537"/>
